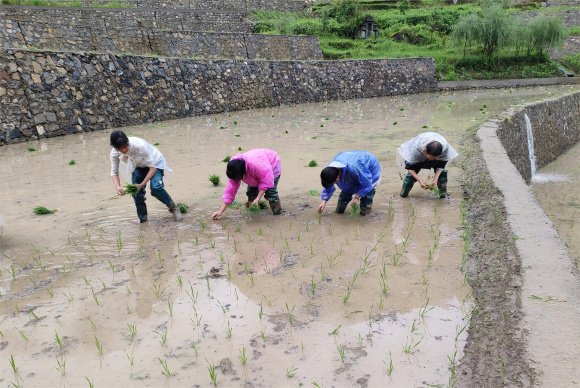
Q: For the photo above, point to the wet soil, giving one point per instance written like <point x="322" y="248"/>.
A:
<point x="330" y="299"/>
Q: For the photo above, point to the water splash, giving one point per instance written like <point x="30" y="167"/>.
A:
<point x="551" y="178"/>
<point x="531" y="153"/>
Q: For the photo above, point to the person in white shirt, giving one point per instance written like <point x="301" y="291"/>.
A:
<point x="144" y="163"/>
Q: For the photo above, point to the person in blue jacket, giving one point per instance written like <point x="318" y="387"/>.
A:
<point x="356" y="173"/>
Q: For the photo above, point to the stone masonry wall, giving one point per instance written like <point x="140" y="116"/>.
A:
<point x="556" y="127"/>
<point x="49" y="36"/>
<point x="46" y="94"/>
<point x="184" y="20"/>
<point x="243" y="5"/>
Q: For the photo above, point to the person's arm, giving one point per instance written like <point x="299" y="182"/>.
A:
<point x="152" y="171"/>
<point x="217" y="214"/>
<point x="260" y="195"/>
<point x="416" y="176"/>
<point x="117" y="183"/>
<point x="326" y="194"/>
<point x="439" y="167"/>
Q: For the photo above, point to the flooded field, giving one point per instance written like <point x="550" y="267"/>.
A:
<point x="557" y="188"/>
<point x="91" y="297"/>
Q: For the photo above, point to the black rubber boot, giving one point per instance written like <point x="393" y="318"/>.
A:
<point x="442" y="184"/>
<point x="250" y="200"/>
<point x="341" y="207"/>
<point x="276" y="207"/>
<point x="408" y="183"/>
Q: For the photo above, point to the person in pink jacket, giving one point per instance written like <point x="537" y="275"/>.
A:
<point x="260" y="169"/>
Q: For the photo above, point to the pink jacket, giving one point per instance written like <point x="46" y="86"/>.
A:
<point x="262" y="166"/>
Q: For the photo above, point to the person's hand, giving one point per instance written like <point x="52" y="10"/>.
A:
<point x="355" y="201"/>
<point x="141" y="185"/>
<point x="434" y="183"/>
<point x="256" y="202"/>
<point x="216" y="215"/>
<point x="422" y="183"/>
<point x="321" y="206"/>
<point x="120" y="190"/>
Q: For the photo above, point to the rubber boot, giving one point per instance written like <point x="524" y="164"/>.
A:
<point x="276" y="207"/>
<point x="174" y="209"/>
<point x="408" y="183"/>
<point x="341" y="207"/>
<point x="442" y="184"/>
<point x="364" y="210"/>
<point x="250" y="200"/>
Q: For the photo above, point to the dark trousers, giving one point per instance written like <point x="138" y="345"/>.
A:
<point x="157" y="190"/>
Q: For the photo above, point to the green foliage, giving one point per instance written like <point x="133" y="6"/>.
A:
<point x="226" y="159"/>
<point x="572" y="62"/>
<point x="40" y="210"/>
<point x="131" y="189"/>
<point x="313" y="193"/>
<point x="312" y="163"/>
<point x="72" y="162"/>
<point x="254" y="210"/>
<point x="235" y="205"/>
<point x="182" y="207"/>
<point x="31" y="149"/>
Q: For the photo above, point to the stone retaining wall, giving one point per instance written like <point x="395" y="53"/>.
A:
<point x="184" y="20"/>
<point x="49" y="36"/>
<point x="570" y="46"/>
<point x="556" y="127"/>
<point x="44" y="94"/>
<point x="243" y="5"/>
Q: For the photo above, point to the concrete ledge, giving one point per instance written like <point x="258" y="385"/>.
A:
<point x="506" y="83"/>
<point x="552" y="329"/>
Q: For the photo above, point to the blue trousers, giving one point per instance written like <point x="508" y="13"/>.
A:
<point x="157" y="190"/>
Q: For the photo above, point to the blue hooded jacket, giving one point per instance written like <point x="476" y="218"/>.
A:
<point x="360" y="169"/>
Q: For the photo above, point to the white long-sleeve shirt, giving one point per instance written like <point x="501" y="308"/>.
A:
<point x="140" y="154"/>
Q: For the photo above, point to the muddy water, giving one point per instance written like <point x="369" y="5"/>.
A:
<point x="557" y="188"/>
<point x="333" y="299"/>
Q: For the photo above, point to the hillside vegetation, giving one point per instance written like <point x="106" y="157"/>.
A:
<point x="482" y="40"/>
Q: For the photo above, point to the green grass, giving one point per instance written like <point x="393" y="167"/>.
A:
<point x="572" y="63"/>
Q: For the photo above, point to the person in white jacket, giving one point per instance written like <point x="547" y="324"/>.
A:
<point x="144" y="163"/>
<point x="427" y="150"/>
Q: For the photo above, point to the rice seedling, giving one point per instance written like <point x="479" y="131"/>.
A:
<point x="91" y="385"/>
<point x="425" y="309"/>
<point x="312" y="163"/>
<point x="194" y="347"/>
<point x="239" y="148"/>
<point x="229" y="330"/>
<point x="411" y="348"/>
<point x="13" y="364"/>
<point x="41" y="210"/>
<point x="58" y="340"/>
<point x="22" y="334"/>
<point x="163" y="336"/>
<point x="130" y="358"/>
<point x="95" y="297"/>
<point x="128" y="309"/>
<point x="340" y="349"/>
<point x="347" y="296"/>
<point x="165" y="370"/>
<point x="132" y="329"/>
<point x="384" y="287"/>
<point x="212" y="373"/>
<point x="291" y="372"/>
<point x="131" y="189"/>
<point x="182" y="207"/>
<point x="242" y="357"/>
<point x="61" y="366"/>
<point x="99" y="346"/>
<point x="69" y="296"/>
<point x="290" y="311"/>
<point x="214" y="179"/>
<point x="251" y="277"/>
<point x="335" y="331"/>
<point x="92" y="323"/>
<point x="157" y="290"/>
<point x="354" y="210"/>
<point x="389" y="365"/>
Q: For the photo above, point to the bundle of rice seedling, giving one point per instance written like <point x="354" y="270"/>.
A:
<point x="254" y="210"/>
<point x="40" y="210"/>
<point x="263" y="205"/>
<point x="131" y="189"/>
<point x="434" y="189"/>
<point x="354" y="210"/>
<point x="182" y="208"/>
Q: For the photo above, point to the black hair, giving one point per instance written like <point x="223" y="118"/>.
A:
<point x="236" y="169"/>
<point x="434" y="148"/>
<point x="328" y="176"/>
<point x="119" y="139"/>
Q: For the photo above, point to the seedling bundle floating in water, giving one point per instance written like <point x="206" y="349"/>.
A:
<point x="131" y="189"/>
<point x="215" y="179"/>
<point x="40" y="210"/>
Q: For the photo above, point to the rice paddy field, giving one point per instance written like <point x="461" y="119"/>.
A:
<point x="90" y="297"/>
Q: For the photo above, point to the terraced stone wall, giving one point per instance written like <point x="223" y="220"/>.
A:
<point x="556" y="128"/>
<point x="22" y="18"/>
<point x="244" y="5"/>
<point x="47" y="94"/>
<point x="49" y="36"/>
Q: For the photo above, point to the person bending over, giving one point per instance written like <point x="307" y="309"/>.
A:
<point x="427" y="150"/>
<point x="356" y="173"/>
<point x="260" y="169"/>
<point x="144" y="163"/>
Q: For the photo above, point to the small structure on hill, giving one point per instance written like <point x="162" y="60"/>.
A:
<point x="368" y="28"/>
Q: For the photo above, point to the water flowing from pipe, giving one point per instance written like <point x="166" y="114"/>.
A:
<point x="531" y="153"/>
